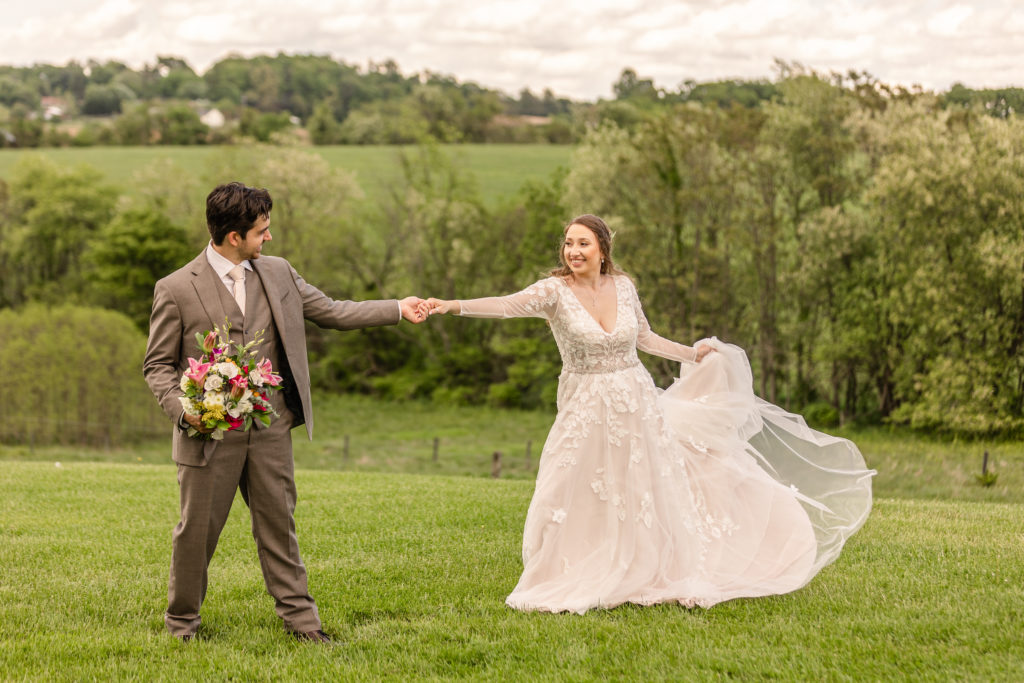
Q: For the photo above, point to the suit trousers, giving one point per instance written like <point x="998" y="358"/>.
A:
<point x="259" y="463"/>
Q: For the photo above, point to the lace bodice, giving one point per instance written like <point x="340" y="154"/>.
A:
<point x="584" y="345"/>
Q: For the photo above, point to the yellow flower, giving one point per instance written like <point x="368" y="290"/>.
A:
<point x="216" y="414"/>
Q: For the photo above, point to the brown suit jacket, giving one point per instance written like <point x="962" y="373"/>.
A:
<point x="187" y="301"/>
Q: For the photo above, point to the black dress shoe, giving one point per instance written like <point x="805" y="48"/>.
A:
<point x="317" y="636"/>
<point x="186" y="638"/>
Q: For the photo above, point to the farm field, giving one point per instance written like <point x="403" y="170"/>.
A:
<point x="499" y="169"/>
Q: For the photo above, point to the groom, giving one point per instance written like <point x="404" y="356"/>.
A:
<point x="231" y="280"/>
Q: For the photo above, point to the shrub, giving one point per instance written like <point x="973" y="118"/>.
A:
<point x="73" y="375"/>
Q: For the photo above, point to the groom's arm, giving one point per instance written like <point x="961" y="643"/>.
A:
<point x="163" y="351"/>
<point x="344" y="315"/>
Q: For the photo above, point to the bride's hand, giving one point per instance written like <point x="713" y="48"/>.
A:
<point x="439" y="306"/>
<point x="702" y="351"/>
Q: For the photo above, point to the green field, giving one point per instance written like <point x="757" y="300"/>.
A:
<point x="399" y="437"/>
<point x="499" y="169"/>
<point x="411" y="571"/>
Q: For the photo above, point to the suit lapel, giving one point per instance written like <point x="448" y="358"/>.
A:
<point x="205" y="282"/>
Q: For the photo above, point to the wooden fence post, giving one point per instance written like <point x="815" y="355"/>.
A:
<point x="529" y="447"/>
<point x="496" y="464"/>
<point x="437" y="443"/>
<point x="344" y="452"/>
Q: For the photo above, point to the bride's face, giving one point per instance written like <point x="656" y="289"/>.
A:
<point x="581" y="250"/>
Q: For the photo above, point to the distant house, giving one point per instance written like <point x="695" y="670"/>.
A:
<point x="214" y="118"/>
<point x="53" y="108"/>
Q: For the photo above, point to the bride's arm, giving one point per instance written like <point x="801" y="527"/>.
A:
<point x="539" y="300"/>
<point x="657" y="345"/>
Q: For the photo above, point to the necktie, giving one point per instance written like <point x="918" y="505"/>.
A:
<point x="238" y="290"/>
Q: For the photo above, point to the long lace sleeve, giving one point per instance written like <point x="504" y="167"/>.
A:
<point x="539" y="300"/>
<point x="656" y="345"/>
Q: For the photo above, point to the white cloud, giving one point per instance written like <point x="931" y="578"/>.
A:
<point x="575" y="47"/>
<point x="948" y="22"/>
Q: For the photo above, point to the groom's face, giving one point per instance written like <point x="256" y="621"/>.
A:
<point x="252" y="245"/>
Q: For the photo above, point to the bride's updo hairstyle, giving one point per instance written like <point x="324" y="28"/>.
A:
<point x="604" y="242"/>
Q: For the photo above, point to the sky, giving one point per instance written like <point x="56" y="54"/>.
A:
<point x="577" y="48"/>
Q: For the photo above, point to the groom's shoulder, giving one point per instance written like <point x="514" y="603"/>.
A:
<point x="183" y="274"/>
<point x="274" y="262"/>
<point x="275" y="265"/>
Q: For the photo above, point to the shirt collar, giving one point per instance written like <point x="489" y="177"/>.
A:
<point x="221" y="265"/>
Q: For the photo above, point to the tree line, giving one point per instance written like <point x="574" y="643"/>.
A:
<point x="865" y="245"/>
<point x="316" y="99"/>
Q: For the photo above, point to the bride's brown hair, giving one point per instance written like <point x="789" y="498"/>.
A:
<point x="604" y="243"/>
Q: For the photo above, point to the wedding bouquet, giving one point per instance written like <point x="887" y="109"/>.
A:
<point x="226" y="390"/>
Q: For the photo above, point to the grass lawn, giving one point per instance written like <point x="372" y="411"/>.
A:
<point x="411" y="571"/>
<point x="499" y="169"/>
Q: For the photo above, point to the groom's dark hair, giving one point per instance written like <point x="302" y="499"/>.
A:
<point x="234" y="207"/>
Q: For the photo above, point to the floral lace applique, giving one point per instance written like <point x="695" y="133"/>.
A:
<point x="620" y="506"/>
<point x="636" y="453"/>
<point x="701" y="445"/>
<point x="645" y="515"/>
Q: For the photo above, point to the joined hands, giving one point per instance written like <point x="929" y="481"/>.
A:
<point x="414" y="309"/>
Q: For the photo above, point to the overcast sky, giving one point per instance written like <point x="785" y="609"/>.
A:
<point x="575" y="47"/>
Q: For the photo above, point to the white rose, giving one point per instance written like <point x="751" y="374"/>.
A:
<point x="214" y="401"/>
<point x="242" y="409"/>
<point x="229" y="370"/>
<point x="188" y="406"/>
<point x="213" y="382"/>
<point x="184" y="383"/>
<point x="256" y="378"/>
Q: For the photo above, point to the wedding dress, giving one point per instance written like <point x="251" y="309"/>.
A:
<point x="697" y="494"/>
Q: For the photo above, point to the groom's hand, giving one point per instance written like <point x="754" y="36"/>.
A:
<point x="197" y="423"/>
<point x="413" y="309"/>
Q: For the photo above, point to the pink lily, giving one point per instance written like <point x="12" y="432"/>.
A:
<point x="197" y="371"/>
<point x="267" y="372"/>
<point x="210" y="342"/>
<point x="238" y="386"/>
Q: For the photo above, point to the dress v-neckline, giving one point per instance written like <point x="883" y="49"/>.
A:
<point x="590" y="315"/>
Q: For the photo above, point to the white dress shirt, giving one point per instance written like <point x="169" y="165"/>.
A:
<point x="223" y="266"/>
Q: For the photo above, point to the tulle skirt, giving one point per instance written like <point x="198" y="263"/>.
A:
<point x="697" y="494"/>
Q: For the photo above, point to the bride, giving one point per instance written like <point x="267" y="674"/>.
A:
<point x="698" y="494"/>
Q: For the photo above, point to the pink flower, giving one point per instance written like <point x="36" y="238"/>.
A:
<point x="267" y="372"/>
<point x="210" y="342"/>
<point x="197" y="371"/>
<point x="234" y="422"/>
<point x="238" y="386"/>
